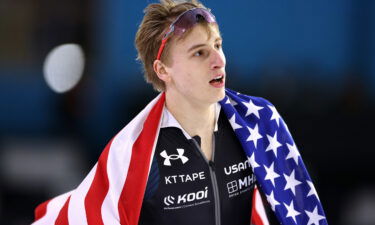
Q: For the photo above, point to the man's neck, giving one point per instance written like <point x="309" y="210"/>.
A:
<point x="195" y="118"/>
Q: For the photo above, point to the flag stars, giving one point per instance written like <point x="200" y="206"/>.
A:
<point x="275" y="115"/>
<point x="274" y="144"/>
<point x="232" y="122"/>
<point x="252" y="161"/>
<point x="254" y="135"/>
<point x="293" y="152"/>
<point x="312" y="190"/>
<point x="288" y="187"/>
<point x="271" y="174"/>
<point x="314" y="216"/>
<point x="271" y="199"/>
<point x="231" y="101"/>
<point x="291" y="182"/>
<point x="252" y="108"/>
<point x="291" y="211"/>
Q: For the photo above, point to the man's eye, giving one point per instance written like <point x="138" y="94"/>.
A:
<point x="218" y="46"/>
<point x="198" y="53"/>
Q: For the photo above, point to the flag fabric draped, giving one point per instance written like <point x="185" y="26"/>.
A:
<point x="274" y="158"/>
<point x="112" y="192"/>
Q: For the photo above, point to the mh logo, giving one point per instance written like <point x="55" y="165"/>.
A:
<point x="168" y="158"/>
<point x="169" y="200"/>
<point x="232" y="187"/>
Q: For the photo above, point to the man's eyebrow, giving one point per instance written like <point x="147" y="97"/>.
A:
<point x="195" y="47"/>
<point x="200" y="45"/>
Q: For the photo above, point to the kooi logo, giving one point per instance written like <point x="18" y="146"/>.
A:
<point x="186" y="198"/>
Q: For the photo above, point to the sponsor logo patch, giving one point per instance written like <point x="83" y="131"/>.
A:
<point x="237" y="167"/>
<point x="186" y="200"/>
<point x="184" y="178"/>
<point x="241" y="185"/>
<point x="168" y="158"/>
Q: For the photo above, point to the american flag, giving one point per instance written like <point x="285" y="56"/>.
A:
<point x="112" y="192"/>
<point x="274" y="158"/>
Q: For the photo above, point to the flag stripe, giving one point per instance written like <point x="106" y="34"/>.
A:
<point x="118" y="164"/>
<point x="258" y="215"/>
<point x="130" y="200"/>
<point x="41" y="210"/>
<point x="76" y="210"/>
<point x="53" y="208"/>
<point x="98" y="190"/>
<point x="117" y="172"/>
<point x="62" y="218"/>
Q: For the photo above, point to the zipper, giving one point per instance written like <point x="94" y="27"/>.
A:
<point x="211" y="166"/>
<point x="216" y="193"/>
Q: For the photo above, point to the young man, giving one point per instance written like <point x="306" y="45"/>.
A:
<point x="189" y="65"/>
<point x="195" y="154"/>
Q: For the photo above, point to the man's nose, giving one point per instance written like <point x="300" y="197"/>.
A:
<point x="218" y="59"/>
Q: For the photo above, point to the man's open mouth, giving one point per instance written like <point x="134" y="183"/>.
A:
<point x="218" y="79"/>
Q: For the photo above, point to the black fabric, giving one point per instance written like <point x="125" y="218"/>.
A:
<point x="180" y="188"/>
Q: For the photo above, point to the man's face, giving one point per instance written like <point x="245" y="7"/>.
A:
<point x="197" y="71"/>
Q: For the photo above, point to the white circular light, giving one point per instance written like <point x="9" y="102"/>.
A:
<point x="63" y="67"/>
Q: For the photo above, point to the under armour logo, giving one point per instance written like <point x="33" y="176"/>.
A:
<point x="168" y="158"/>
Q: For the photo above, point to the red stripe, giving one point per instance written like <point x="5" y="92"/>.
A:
<point x="255" y="217"/>
<point x="131" y="197"/>
<point x="41" y="210"/>
<point x="98" y="190"/>
<point x="62" y="218"/>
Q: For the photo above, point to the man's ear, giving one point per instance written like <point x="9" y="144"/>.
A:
<point x="161" y="70"/>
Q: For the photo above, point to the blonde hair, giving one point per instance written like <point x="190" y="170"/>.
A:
<point x="157" y="19"/>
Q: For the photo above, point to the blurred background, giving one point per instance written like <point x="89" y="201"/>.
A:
<point x="314" y="60"/>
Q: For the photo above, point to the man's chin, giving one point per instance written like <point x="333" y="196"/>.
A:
<point x="220" y="95"/>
